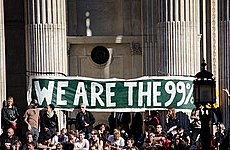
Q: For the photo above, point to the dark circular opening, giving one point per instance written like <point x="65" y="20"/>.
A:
<point x="100" y="55"/>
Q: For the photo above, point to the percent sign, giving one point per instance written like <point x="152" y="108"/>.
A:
<point x="181" y="88"/>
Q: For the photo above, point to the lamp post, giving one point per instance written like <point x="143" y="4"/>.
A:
<point x="204" y="93"/>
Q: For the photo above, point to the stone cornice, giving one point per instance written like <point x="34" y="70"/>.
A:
<point x="102" y="39"/>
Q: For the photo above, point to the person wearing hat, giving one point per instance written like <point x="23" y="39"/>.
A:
<point x="31" y="118"/>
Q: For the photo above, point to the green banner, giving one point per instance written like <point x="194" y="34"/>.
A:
<point x="155" y="92"/>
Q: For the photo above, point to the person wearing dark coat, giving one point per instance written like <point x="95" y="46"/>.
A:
<point x="49" y="123"/>
<point x="10" y="115"/>
<point x="136" y="126"/>
<point x="85" y="121"/>
<point x="8" y="140"/>
<point x="112" y="122"/>
<point x="123" y="121"/>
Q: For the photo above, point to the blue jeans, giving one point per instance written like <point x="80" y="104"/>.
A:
<point x="35" y="133"/>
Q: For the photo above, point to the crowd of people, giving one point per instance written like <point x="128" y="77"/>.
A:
<point x="125" y="131"/>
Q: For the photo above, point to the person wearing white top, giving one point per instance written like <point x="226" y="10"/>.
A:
<point x="82" y="143"/>
<point x="116" y="139"/>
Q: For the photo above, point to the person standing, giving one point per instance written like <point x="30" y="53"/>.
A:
<point x="154" y="118"/>
<point x="171" y="123"/>
<point x="195" y="125"/>
<point x="49" y="123"/>
<point x="123" y="121"/>
<point x="31" y="118"/>
<point x="85" y="121"/>
<point x="112" y="122"/>
<point x="136" y="126"/>
<point x="10" y="115"/>
<point x="171" y="119"/>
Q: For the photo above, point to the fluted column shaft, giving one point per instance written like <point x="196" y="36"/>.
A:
<point x="214" y="43"/>
<point x="46" y="39"/>
<point x="170" y="37"/>
<point x="46" y="36"/>
<point x="2" y="57"/>
<point x="224" y="61"/>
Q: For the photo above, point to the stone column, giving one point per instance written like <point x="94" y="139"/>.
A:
<point x="2" y="58"/>
<point x="46" y="36"/>
<point x="170" y="38"/>
<point x="224" y="59"/>
<point x="214" y="43"/>
<point x="46" y="39"/>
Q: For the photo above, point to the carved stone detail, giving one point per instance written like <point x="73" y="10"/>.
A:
<point x="136" y="48"/>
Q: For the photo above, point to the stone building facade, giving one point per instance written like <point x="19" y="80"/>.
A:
<point x="112" y="38"/>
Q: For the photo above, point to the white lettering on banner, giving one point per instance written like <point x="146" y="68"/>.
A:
<point x="130" y="86"/>
<point x="180" y="88"/>
<point x="61" y="92"/>
<point x="44" y="93"/>
<point x="81" y="92"/>
<point x="156" y="93"/>
<point x="109" y="94"/>
<point x="170" y="88"/>
<point x="96" y="95"/>
<point x="141" y="93"/>
<point x="189" y="96"/>
<point x="100" y="95"/>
